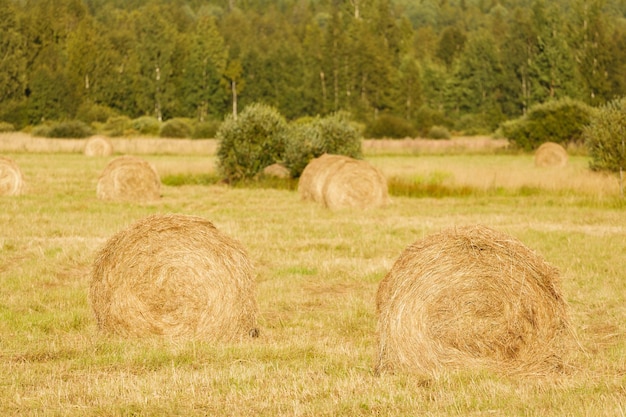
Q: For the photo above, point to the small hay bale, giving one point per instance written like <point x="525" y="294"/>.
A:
<point x="313" y="177"/>
<point x="551" y="154"/>
<point x="11" y="178"/>
<point x="469" y="298"/>
<point x="98" y="146"/>
<point x="128" y="178"/>
<point x="276" y="171"/>
<point x="341" y="182"/>
<point x="176" y="276"/>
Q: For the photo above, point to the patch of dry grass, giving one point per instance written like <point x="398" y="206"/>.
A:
<point x="317" y="272"/>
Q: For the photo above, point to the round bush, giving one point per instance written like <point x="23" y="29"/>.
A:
<point x="206" y="130"/>
<point x="146" y="125"/>
<point x="90" y="112"/>
<point x="605" y="137"/>
<point x="117" y="126"/>
<point x="389" y="126"/>
<point x="250" y="142"/>
<point x="6" y="127"/>
<point x="175" y="128"/>
<point x="71" y="129"/>
<point x="438" y="132"/>
<point x="560" y="121"/>
<point x="334" y="134"/>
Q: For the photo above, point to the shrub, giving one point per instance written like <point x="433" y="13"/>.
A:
<point x="250" y="142"/>
<point x="69" y="129"/>
<point x="605" y="137"/>
<point x="175" y="128"/>
<point x="90" y="112"/>
<point x="6" y="127"/>
<point x="333" y="134"/>
<point x="438" y="132"/>
<point x="559" y="121"/>
<point x="390" y="126"/>
<point x="427" y="118"/>
<point x="117" y="126"/>
<point x="146" y="125"/>
<point x="206" y="130"/>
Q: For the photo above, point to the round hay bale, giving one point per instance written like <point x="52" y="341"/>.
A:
<point x="128" y="178"/>
<point x="277" y="171"/>
<point x="356" y="184"/>
<point x="551" y="154"/>
<point x="176" y="276"/>
<point x="98" y="146"/>
<point x="11" y="178"/>
<point x="471" y="297"/>
<point x="313" y="177"/>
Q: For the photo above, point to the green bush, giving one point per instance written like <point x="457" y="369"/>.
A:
<point x="426" y="118"/>
<point x="146" y="125"/>
<point x="605" y="137"/>
<point x="206" y="130"/>
<point x="390" y="126"/>
<point x="117" y="126"/>
<point x="561" y="121"/>
<point x="438" y="132"/>
<point x="74" y="129"/>
<point x="250" y="142"/>
<point x="334" y="134"/>
<point x="176" y="128"/>
<point x="6" y="127"/>
<point x="90" y="113"/>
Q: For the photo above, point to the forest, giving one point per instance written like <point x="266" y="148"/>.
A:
<point x="468" y="65"/>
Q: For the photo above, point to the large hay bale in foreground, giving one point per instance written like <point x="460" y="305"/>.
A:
<point x="341" y="182"/>
<point x="98" y="146"/>
<point x="471" y="297"/>
<point x="11" y="178"/>
<point x="551" y="154"/>
<point x="128" y="178"/>
<point x="176" y="276"/>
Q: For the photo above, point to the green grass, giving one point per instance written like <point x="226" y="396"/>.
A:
<point x="317" y="273"/>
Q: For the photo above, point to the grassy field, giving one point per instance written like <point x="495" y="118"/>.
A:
<point x="317" y="273"/>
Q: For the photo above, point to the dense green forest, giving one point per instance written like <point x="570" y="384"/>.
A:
<point x="464" y="64"/>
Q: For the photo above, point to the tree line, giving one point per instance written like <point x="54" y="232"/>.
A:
<point x="399" y="67"/>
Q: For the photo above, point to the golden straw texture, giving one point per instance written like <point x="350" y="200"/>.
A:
<point x="128" y="178"/>
<point x="471" y="297"/>
<point x="98" y="146"/>
<point x="551" y="154"/>
<point x="11" y="178"/>
<point x="176" y="276"/>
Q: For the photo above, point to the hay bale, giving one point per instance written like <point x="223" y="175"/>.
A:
<point x="176" y="276"/>
<point x="277" y="171"/>
<point x="314" y="176"/>
<point x="11" y="178"/>
<point x="471" y="297"/>
<point x="338" y="181"/>
<point x="98" y="146"/>
<point x="551" y="154"/>
<point x="128" y="178"/>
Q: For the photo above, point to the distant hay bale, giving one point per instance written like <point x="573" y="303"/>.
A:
<point x="176" y="276"/>
<point x="277" y="171"/>
<point x="471" y="297"/>
<point x="313" y="176"/>
<point x="338" y="181"/>
<point x="98" y="146"/>
<point x="551" y="154"/>
<point x="128" y="178"/>
<point x="11" y="178"/>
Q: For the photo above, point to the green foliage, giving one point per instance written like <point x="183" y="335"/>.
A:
<point x="89" y="112"/>
<point x="561" y="121"/>
<point x="390" y="126"/>
<point x="146" y="125"/>
<point x="206" y="130"/>
<point x="438" y="132"/>
<point x="74" y="129"/>
<point x="175" y="128"/>
<point x="427" y="118"/>
<point x="250" y="142"/>
<point x="117" y="126"/>
<point x="334" y="134"/>
<point x="6" y="127"/>
<point x="16" y="113"/>
<point x="605" y="137"/>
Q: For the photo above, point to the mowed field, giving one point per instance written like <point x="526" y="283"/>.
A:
<point x="317" y="272"/>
